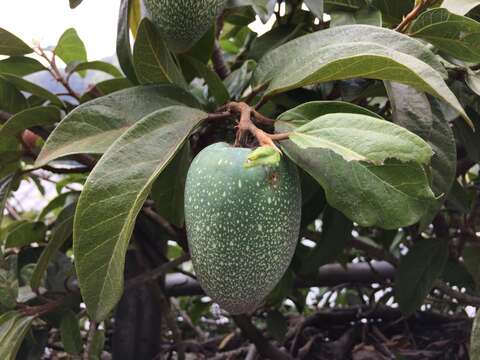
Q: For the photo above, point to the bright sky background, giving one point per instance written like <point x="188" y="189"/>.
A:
<point x="45" y="21"/>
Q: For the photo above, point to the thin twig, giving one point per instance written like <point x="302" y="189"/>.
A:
<point x="91" y="334"/>
<point x="264" y="347"/>
<point x="410" y="17"/>
<point x="218" y="61"/>
<point x="156" y="273"/>
<point x="199" y="332"/>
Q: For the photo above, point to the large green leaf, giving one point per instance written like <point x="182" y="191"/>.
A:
<point x="10" y="151"/>
<point x="70" y="47"/>
<point x="297" y="51"/>
<point x="305" y="112"/>
<point x="114" y="194"/>
<point x="23" y="233"/>
<point x="153" y="61"/>
<point x="418" y="271"/>
<point x="124" y="50"/>
<point x="60" y="233"/>
<point x="168" y="189"/>
<point x="11" y="99"/>
<point x="12" y="45"/>
<point x="96" y="65"/>
<point x="394" y="11"/>
<point x="358" y="137"/>
<point x="27" y="86"/>
<point x="460" y="7"/>
<point x="360" y="59"/>
<point x="93" y="126"/>
<point x="413" y="110"/>
<point x="6" y="183"/>
<point x="13" y="328"/>
<point x="316" y="7"/>
<point x="20" y="66"/>
<point x="456" y="35"/>
<point x="366" y="15"/>
<point x="390" y="196"/>
<point x="70" y="333"/>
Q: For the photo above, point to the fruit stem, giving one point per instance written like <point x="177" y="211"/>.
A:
<point x="246" y="125"/>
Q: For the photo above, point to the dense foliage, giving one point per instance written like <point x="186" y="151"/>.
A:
<point x="375" y="101"/>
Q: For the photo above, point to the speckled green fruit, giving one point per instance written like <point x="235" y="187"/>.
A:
<point x="183" y="22"/>
<point x="242" y="225"/>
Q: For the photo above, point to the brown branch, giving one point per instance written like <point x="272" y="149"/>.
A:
<point x="196" y="329"/>
<point x="40" y="310"/>
<point x="264" y="347"/>
<point x="246" y="125"/>
<point x="91" y="334"/>
<point x="410" y="17"/>
<point x="56" y="74"/>
<point x="75" y="170"/>
<point x="218" y="61"/>
<point x="156" y="273"/>
<point x="462" y="298"/>
<point x="160" y="220"/>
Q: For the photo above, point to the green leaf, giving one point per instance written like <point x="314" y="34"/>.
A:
<point x="473" y="81"/>
<point x="92" y="127"/>
<point x="415" y="112"/>
<point x="10" y="151"/>
<point x="153" y="61"/>
<point x="359" y="137"/>
<point x="24" y="233"/>
<point x="12" y="45"/>
<point x="475" y="338"/>
<point x="70" y="47"/>
<point x="124" y="50"/>
<point x="297" y="51"/>
<point x="418" y="271"/>
<point x="98" y="344"/>
<point x="58" y="202"/>
<point x="8" y="289"/>
<point x="20" y="66"/>
<point x="95" y="65"/>
<point x="393" y="11"/>
<point x="36" y="116"/>
<point x="216" y="88"/>
<point x="135" y="16"/>
<point x="238" y="80"/>
<point x="168" y="188"/>
<point x="455" y="35"/>
<point x="471" y="258"/>
<point x="121" y="182"/>
<point x="263" y="156"/>
<point x="13" y="328"/>
<point x="106" y="87"/>
<point x="351" y="60"/>
<point x="335" y="236"/>
<point x="6" y="184"/>
<point x="308" y="111"/>
<point x="11" y="99"/>
<point x="460" y="7"/>
<point x="70" y="333"/>
<point x="60" y="233"/>
<point x="29" y="87"/>
<point x="389" y="196"/>
<point x="366" y="15"/>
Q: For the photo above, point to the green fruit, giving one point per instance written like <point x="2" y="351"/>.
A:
<point x="242" y="225"/>
<point x="183" y="22"/>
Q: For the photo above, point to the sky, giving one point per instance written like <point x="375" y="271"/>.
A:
<point x="34" y="20"/>
<point x="94" y="20"/>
